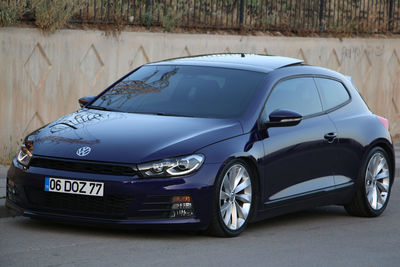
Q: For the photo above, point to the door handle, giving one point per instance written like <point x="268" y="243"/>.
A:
<point x="330" y="137"/>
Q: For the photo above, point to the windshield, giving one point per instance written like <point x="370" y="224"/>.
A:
<point x="183" y="91"/>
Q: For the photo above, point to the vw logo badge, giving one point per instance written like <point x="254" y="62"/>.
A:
<point x="83" y="151"/>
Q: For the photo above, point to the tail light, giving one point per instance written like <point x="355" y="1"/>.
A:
<point x="384" y="121"/>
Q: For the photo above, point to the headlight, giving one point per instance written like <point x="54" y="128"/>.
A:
<point x="172" y="167"/>
<point x="25" y="153"/>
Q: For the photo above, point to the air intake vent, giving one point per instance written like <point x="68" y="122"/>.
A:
<point x="83" y="166"/>
<point x="112" y="205"/>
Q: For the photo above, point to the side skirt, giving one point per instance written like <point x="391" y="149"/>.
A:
<point x="336" y="195"/>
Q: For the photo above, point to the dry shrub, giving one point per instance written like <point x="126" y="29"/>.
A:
<point x="54" y="14"/>
<point x="11" y="12"/>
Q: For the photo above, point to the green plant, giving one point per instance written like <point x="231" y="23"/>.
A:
<point x="53" y="15"/>
<point x="268" y="20"/>
<point x="148" y="19"/>
<point x="11" y="12"/>
<point x="170" y="18"/>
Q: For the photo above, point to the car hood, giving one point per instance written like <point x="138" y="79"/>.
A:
<point x="127" y="137"/>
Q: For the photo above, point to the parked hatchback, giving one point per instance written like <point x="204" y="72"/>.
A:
<point x="208" y="143"/>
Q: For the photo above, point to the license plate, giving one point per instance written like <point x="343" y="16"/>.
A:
<point x="74" y="186"/>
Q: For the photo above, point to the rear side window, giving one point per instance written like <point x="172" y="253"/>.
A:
<point x="297" y="94"/>
<point x="333" y="93"/>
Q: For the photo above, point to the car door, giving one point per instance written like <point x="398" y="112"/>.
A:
<point x="298" y="159"/>
<point x="335" y="97"/>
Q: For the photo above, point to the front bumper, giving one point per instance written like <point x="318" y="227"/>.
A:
<point x="126" y="200"/>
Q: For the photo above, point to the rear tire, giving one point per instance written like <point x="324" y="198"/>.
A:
<point x="373" y="191"/>
<point x="234" y="200"/>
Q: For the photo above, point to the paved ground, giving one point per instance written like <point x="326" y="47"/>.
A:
<point x="320" y="237"/>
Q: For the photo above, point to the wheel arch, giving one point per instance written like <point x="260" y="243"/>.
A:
<point x="359" y="205"/>
<point x="250" y="160"/>
<point x="388" y="148"/>
<point x="253" y="165"/>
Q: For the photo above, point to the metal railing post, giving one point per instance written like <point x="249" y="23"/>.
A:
<point x="390" y="15"/>
<point x="148" y="3"/>
<point x="321" y="15"/>
<point x="241" y="13"/>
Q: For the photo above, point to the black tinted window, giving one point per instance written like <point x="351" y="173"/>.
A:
<point x="332" y="92"/>
<point x="297" y="94"/>
<point x="183" y="91"/>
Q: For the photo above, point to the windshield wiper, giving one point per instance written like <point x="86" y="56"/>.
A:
<point x="100" y="108"/>
<point x="170" y="114"/>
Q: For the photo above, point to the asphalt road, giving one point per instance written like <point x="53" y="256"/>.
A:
<point x="319" y="237"/>
<point x="324" y="236"/>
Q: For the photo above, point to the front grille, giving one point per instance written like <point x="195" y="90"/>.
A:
<point x="83" y="166"/>
<point x="74" y="204"/>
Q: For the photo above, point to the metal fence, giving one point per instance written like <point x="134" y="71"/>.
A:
<point x="345" y="16"/>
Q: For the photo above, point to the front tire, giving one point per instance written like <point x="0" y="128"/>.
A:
<point x="234" y="200"/>
<point x="372" y="195"/>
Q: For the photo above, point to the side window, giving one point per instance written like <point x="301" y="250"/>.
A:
<point x="333" y="93"/>
<point x="297" y="94"/>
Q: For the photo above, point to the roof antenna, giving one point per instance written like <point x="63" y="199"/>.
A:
<point x="242" y="55"/>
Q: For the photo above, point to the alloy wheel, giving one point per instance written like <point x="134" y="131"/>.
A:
<point x="377" y="181"/>
<point x="235" y="197"/>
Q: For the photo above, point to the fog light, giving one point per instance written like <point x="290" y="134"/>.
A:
<point x="181" y="207"/>
<point x="11" y="190"/>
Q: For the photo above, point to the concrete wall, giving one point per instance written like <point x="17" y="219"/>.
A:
<point x="41" y="77"/>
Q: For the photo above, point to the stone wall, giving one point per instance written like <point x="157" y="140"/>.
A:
<point x="42" y="76"/>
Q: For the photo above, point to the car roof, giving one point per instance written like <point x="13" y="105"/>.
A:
<point x="252" y="62"/>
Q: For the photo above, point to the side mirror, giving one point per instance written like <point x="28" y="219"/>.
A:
<point x="85" y="100"/>
<point x="283" y="118"/>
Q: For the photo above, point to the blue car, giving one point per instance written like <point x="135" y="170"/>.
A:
<point x="208" y="143"/>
